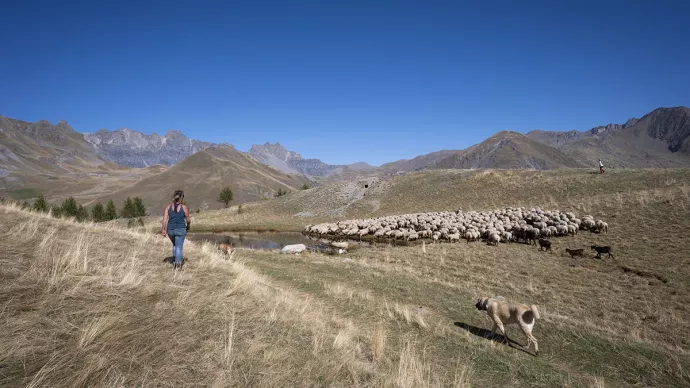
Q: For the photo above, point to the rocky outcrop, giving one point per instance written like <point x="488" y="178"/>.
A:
<point x="289" y="161"/>
<point x="135" y="149"/>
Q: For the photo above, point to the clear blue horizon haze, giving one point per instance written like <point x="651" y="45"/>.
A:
<point x="372" y="81"/>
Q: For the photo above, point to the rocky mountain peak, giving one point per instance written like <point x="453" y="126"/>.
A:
<point x="135" y="149"/>
<point x="289" y="161"/>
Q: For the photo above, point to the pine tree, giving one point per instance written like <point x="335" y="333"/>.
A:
<point x="82" y="214"/>
<point x="128" y="209"/>
<point x="70" y="207"/>
<point x="40" y="204"/>
<point x="110" y="211"/>
<point x="98" y="213"/>
<point x="139" y="208"/>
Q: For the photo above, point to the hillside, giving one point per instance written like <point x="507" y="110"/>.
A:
<point x="202" y="176"/>
<point x="291" y="162"/>
<point x="97" y="306"/>
<point x="135" y="149"/>
<point x="56" y="161"/>
<point x="75" y="312"/>
<point x="438" y="190"/>
<point x="508" y="150"/>
<point x="417" y="163"/>
<point x="658" y="139"/>
<point x="42" y="147"/>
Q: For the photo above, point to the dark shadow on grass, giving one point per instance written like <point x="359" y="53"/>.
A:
<point x="171" y="260"/>
<point x="487" y="334"/>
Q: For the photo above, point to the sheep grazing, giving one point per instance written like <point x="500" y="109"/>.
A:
<point x="544" y="244"/>
<point x="494" y="239"/>
<point x="601" y="226"/>
<point x="605" y="249"/>
<point x="508" y="224"/>
<point x="575" y="252"/>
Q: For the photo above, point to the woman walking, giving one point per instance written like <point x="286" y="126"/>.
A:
<point x="174" y="225"/>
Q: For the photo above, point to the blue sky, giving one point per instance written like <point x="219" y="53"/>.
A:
<point x="372" y="81"/>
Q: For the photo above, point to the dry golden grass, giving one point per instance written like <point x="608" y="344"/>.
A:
<point x="613" y="323"/>
<point x="94" y="305"/>
<point x="86" y="304"/>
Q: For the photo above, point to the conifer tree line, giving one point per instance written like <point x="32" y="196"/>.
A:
<point x="131" y="208"/>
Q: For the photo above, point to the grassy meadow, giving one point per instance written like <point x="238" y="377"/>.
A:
<point x="95" y="305"/>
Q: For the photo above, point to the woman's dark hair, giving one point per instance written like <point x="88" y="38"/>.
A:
<point x="178" y="195"/>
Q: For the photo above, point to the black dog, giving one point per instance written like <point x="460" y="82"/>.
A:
<point x="600" y="250"/>
<point x="544" y="243"/>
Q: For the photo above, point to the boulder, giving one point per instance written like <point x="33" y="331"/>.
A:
<point x="294" y="248"/>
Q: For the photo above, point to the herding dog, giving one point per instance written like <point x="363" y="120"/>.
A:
<point x="604" y="249"/>
<point x="544" y="244"/>
<point x="575" y="252"/>
<point x="504" y="312"/>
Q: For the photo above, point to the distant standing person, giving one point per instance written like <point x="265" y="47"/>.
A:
<point x="174" y="225"/>
<point x="601" y="167"/>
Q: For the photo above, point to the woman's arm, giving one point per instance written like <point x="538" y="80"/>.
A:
<point x="165" y="221"/>
<point x="186" y="216"/>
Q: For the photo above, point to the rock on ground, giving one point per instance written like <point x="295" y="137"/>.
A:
<point x="294" y="248"/>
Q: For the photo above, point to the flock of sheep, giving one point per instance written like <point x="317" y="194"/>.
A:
<point x="502" y="225"/>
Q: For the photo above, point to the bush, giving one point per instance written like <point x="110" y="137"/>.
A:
<point x="57" y="211"/>
<point x="280" y="192"/>
<point x="305" y="187"/>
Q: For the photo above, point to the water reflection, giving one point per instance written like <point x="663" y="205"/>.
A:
<point x="264" y="240"/>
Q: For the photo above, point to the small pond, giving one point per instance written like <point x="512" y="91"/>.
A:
<point x="263" y="240"/>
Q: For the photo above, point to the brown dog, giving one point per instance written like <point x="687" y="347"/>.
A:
<point x="225" y="248"/>
<point x="575" y="252"/>
<point x="503" y="312"/>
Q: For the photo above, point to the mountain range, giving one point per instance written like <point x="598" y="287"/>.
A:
<point x="658" y="139"/>
<point x="135" y="149"/>
<point x="54" y="158"/>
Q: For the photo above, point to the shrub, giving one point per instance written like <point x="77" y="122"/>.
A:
<point x="57" y="211"/>
<point x="280" y="192"/>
